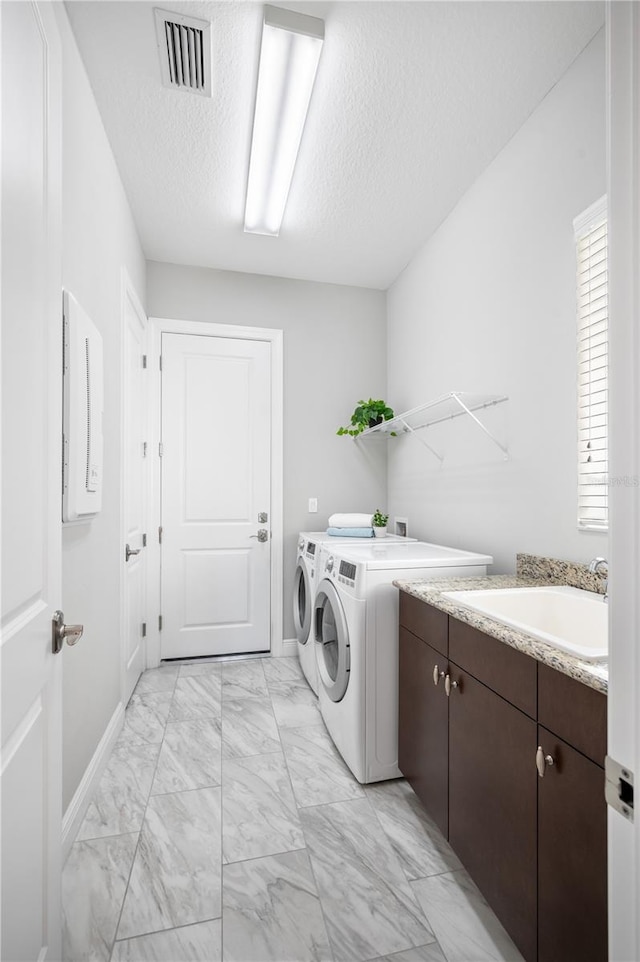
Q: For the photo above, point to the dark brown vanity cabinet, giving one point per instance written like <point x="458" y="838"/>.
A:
<point x="572" y="820"/>
<point x="423" y="748"/>
<point x="423" y="754"/>
<point x="492" y="802"/>
<point x="473" y="712"/>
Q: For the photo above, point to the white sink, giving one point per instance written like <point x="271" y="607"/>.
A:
<point x="569" y="619"/>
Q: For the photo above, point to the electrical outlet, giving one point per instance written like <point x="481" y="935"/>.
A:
<point x="401" y="526"/>
<point x="313" y="505"/>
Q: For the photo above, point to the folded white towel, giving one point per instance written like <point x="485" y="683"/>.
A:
<point x="350" y="520"/>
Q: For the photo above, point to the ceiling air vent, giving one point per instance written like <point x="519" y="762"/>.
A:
<point x="184" y="45"/>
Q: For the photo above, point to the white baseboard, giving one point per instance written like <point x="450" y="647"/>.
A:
<point x="283" y="647"/>
<point x="79" y="804"/>
<point x="289" y="647"/>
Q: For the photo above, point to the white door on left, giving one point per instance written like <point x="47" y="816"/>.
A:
<point x="31" y="754"/>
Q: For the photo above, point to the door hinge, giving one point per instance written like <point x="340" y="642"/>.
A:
<point x="144" y="541"/>
<point x="144" y="629"/>
<point x="144" y="360"/>
<point x="160" y="362"/>
<point x="160" y="450"/>
<point x="618" y="787"/>
<point x="144" y="449"/>
<point x="65" y="463"/>
<point x="159" y="622"/>
<point x="160" y="535"/>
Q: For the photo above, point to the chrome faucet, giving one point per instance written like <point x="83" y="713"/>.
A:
<point x="600" y="566"/>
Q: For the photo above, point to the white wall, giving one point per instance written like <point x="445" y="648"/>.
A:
<point x="99" y="237"/>
<point x="334" y="354"/>
<point x="488" y="305"/>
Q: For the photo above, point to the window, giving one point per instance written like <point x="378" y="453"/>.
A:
<point x="593" y="321"/>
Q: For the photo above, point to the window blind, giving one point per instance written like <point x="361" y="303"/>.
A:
<point x="593" y="351"/>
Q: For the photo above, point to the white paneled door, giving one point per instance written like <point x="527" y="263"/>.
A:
<point x="134" y="490"/>
<point x="31" y="754"/>
<point x="216" y="550"/>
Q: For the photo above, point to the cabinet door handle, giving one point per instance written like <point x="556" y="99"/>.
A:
<point x="437" y="675"/>
<point x="448" y="684"/>
<point x="543" y="761"/>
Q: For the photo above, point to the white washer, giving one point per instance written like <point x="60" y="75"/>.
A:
<point x="304" y="592"/>
<point x="356" y="630"/>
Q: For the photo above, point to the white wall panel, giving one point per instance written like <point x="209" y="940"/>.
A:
<point x="488" y="305"/>
<point x="99" y="237"/>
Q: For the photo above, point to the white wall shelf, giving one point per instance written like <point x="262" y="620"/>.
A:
<point x="445" y="408"/>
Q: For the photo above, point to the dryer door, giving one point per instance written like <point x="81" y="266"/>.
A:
<point x="332" y="641"/>
<point x="302" y="602"/>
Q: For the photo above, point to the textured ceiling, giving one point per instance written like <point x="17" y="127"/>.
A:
<point x="411" y="102"/>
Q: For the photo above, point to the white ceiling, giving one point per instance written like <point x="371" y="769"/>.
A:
<point x="412" y="101"/>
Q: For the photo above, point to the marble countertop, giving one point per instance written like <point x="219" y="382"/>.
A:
<point x="594" y="675"/>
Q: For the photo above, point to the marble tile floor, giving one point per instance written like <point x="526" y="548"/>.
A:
<point x="227" y="827"/>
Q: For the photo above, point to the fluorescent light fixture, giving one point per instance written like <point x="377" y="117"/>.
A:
<point x="289" y="55"/>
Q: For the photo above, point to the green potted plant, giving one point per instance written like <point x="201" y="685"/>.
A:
<point x="366" y="415"/>
<point x="379" y="522"/>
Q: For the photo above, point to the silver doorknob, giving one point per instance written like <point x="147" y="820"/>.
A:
<point x="60" y="632"/>
<point x="437" y="675"/>
<point x="129" y="551"/>
<point x="262" y="535"/>
<point x="543" y="761"/>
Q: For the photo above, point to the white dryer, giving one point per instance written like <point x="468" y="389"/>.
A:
<point x="304" y="592"/>
<point x="356" y="642"/>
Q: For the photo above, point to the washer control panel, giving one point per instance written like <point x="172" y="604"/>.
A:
<point x="347" y="573"/>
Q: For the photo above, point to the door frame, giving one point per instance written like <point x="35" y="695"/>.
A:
<point x="623" y="192"/>
<point x="128" y="294"/>
<point x="157" y="327"/>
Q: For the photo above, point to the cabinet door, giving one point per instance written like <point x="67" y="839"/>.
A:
<point x="572" y="856"/>
<point x="577" y="714"/>
<point x="422" y="725"/>
<point x="492" y="803"/>
<point x="425" y="622"/>
<point x="508" y="672"/>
